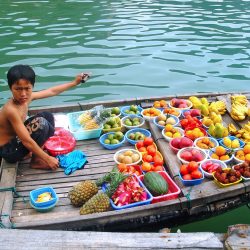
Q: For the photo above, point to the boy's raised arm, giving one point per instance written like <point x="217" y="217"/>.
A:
<point x="80" y="78"/>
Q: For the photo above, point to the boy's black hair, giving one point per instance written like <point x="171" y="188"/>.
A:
<point x="18" y="72"/>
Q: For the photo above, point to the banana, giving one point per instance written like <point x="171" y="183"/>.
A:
<point x="195" y="101"/>
<point x="239" y="98"/>
<point x="232" y="129"/>
<point x="239" y="109"/>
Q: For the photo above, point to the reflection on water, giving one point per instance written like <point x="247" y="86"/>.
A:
<point x="133" y="48"/>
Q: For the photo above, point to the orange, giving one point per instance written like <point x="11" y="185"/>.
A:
<point x="146" y="166"/>
<point x="157" y="104"/>
<point x="224" y="157"/>
<point x="219" y="150"/>
<point x="247" y="157"/>
<point x="246" y="149"/>
<point x="168" y="127"/>
<point x="215" y="156"/>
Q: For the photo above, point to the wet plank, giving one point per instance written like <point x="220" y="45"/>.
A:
<point x="105" y="240"/>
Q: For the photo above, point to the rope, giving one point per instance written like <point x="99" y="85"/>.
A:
<point x="188" y="197"/>
<point x="13" y="189"/>
<point x="248" y="205"/>
<point x="2" y="225"/>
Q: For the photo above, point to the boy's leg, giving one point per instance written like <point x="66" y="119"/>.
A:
<point x="40" y="130"/>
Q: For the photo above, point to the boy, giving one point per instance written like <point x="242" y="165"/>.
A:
<point x="19" y="137"/>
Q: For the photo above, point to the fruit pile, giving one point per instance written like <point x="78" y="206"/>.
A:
<point x="172" y="132"/>
<point x="190" y="171"/>
<point x="128" y="192"/>
<point x="171" y="111"/>
<point x="191" y="154"/>
<point x="190" y="122"/>
<point x="210" y="166"/>
<point x="132" y="110"/>
<point x="160" y="104"/>
<point x="181" y="142"/>
<point x="205" y="143"/>
<point x="230" y="142"/>
<point x="244" y="153"/>
<point x="137" y="136"/>
<point x="115" y="111"/>
<point x="114" y="138"/>
<point x="227" y="175"/>
<point x="221" y="153"/>
<point x="125" y="169"/>
<point x="128" y="157"/>
<point x="191" y="112"/>
<point x="243" y="168"/>
<point x="163" y="120"/>
<point x="112" y="123"/>
<point x="151" y="112"/>
<point x="180" y="103"/>
<point x="194" y="133"/>
<point x="132" y="121"/>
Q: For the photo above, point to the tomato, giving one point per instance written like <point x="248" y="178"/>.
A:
<point x="184" y="169"/>
<point x="142" y="149"/>
<point x="151" y="150"/>
<point x="148" y="158"/>
<point x="148" y="141"/>
<point x="146" y="166"/>
<point x="158" y="161"/>
<point x="196" y="174"/>
<point x="187" y="177"/>
<point x="139" y="144"/>
<point x="192" y="166"/>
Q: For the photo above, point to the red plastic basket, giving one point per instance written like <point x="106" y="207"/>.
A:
<point x="173" y="189"/>
<point x="61" y="143"/>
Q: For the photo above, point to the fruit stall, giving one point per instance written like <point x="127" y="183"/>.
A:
<point x="172" y="159"/>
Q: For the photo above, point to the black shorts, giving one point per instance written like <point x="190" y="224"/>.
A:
<point x="40" y="127"/>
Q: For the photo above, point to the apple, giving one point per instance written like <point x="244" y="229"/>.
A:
<point x="183" y="105"/>
<point x="185" y="142"/>
<point x="186" y="155"/>
<point x="197" y="155"/>
<point x="195" y="112"/>
<point x="176" y="142"/>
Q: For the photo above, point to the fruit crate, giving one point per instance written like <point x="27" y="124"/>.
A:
<point x="173" y="189"/>
<point x="135" y="204"/>
<point x="77" y="130"/>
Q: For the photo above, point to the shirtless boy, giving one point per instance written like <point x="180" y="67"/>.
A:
<point x="18" y="136"/>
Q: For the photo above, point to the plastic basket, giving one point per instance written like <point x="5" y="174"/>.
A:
<point x="57" y="145"/>
<point x="110" y="146"/>
<point x="77" y="130"/>
<point x="173" y="189"/>
<point x="225" y="185"/>
<point x="135" y="204"/>
<point x="192" y="182"/>
<point x="156" y="119"/>
<point x="36" y="192"/>
<point x="142" y="130"/>
<point x="242" y="143"/>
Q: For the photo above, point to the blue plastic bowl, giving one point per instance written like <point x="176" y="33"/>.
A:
<point x="124" y="108"/>
<point x="135" y="204"/>
<point x="43" y="209"/>
<point x="162" y="127"/>
<point x="242" y="144"/>
<point x="192" y="182"/>
<point x="134" y="130"/>
<point x="34" y="195"/>
<point x="110" y="146"/>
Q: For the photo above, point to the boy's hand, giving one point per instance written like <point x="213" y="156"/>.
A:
<point x="82" y="78"/>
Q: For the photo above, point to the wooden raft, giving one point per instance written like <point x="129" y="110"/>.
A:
<point x="198" y="202"/>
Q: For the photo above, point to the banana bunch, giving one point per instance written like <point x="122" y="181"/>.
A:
<point x="239" y="109"/>
<point x="243" y="133"/>
<point x="85" y="117"/>
<point x="219" y="107"/>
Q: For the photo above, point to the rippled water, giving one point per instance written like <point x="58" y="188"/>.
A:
<point x="133" y="48"/>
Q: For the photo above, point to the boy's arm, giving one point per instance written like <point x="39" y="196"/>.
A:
<point x="60" y="88"/>
<point x="27" y="141"/>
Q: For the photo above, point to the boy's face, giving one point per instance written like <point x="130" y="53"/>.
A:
<point x="21" y="91"/>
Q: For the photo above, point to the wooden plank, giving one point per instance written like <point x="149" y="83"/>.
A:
<point x="21" y="239"/>
<point x="8" y="180"/>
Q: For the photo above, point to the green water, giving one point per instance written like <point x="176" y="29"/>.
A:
<point x="135" y="48"/>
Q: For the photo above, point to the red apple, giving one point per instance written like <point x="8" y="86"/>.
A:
<point x="195" y="112"/>
<point x="176" y="142"/>
<point x="197" y="155"/>
<point x="185" y="142"/>
<point x="182" y="105"/>
<point x="186" y="155"/>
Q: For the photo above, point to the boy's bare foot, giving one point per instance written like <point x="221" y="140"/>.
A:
<point x="38" y="163"/>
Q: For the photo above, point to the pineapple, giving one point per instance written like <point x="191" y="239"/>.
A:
<point x="100" y="201"/>
<point x="84" y="190"/>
